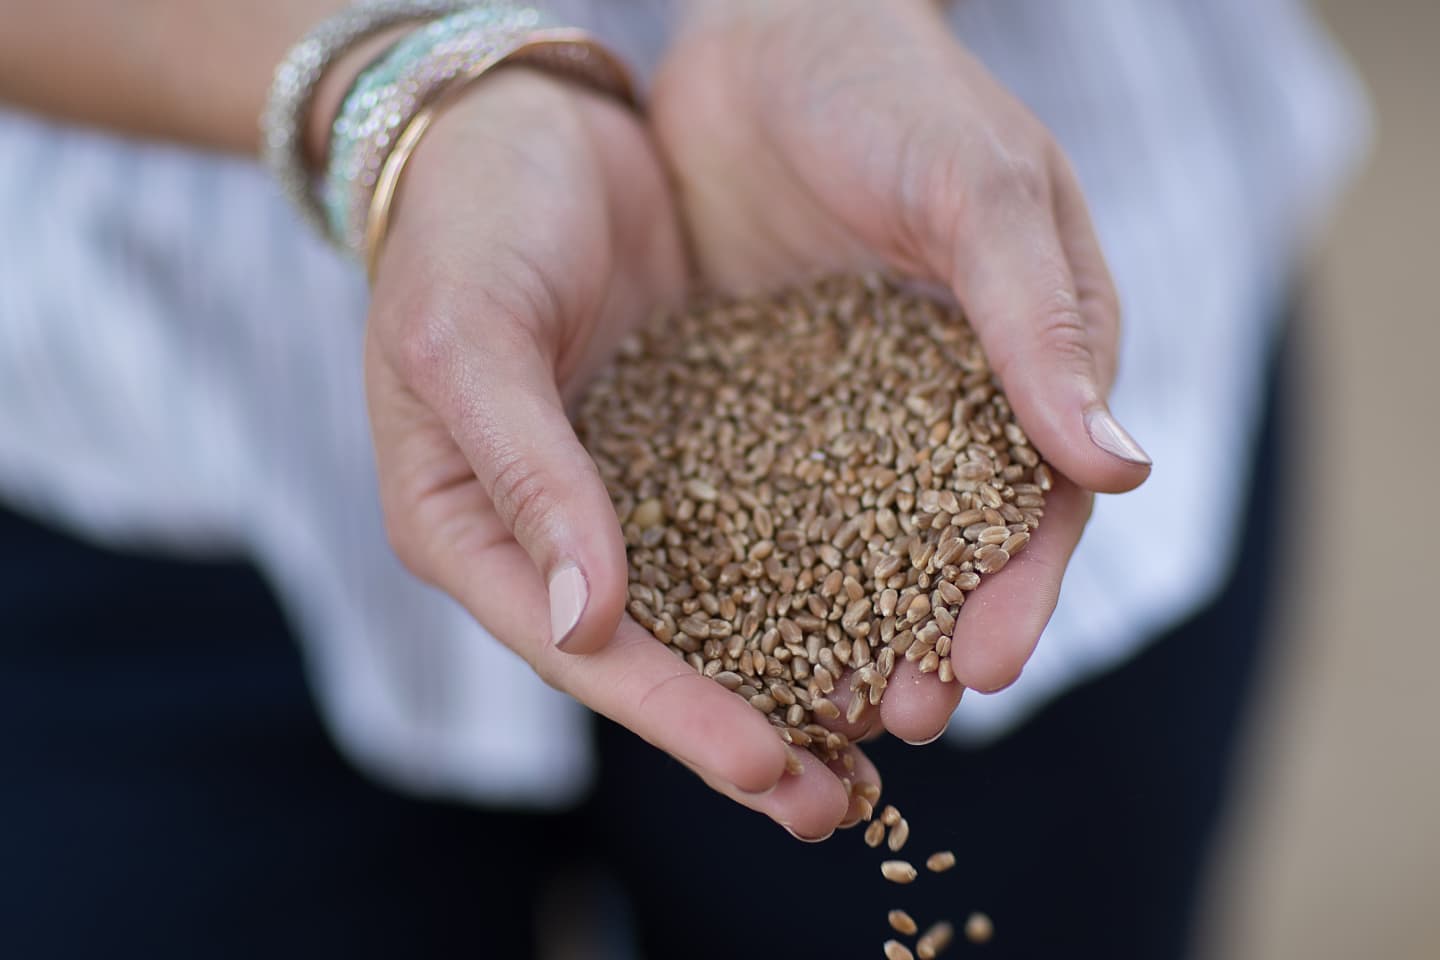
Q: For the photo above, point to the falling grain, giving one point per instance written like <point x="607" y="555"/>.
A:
<point x="978" y="928"/>
<point x="898" y="835"/>
<point x="898" y="871"/>
<point x="895" y="950"/>
<point x="934" y="940"/>
<point x="940" y="862"/>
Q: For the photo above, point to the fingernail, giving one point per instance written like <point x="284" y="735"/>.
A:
<point x="568" y="594"/>
<point x="759" y="794"/>
<point x="921" y="743"/>
<point x="1107" y="434"/>
<point x="791" y="830"/>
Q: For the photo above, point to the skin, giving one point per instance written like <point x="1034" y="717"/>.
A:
<point x="537" y="222"/>
<point x="193" y="71"/>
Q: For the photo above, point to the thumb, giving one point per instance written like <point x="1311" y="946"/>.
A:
<point x="1053" y="347"/>
<point x="505" y="412"/>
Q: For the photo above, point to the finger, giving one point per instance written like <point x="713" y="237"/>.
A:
<point x="866" y="718"/>
<point x="1003" y="617"/>
<point x="917" y="705"/>
<point x="449" y="536"/>
<point x="1010" y="272"/>
<point x="810" y="805"/>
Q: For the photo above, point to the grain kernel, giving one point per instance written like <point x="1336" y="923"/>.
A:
<point x="895" y="950"/>
<point x="940" y="862"/>
<point x="898" y="835"/>
<point x="934" y="940"/>
<point x="898" y="871"/>
<point x="979" y="928"/>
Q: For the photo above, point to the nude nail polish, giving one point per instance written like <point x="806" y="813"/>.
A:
<point x="568" y="595"/>
<point x="1107" y="434"/>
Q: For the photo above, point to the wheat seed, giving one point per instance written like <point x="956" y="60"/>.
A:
<point x="934" y="940"/>
<point x="867" y="810"/>
<point x="940" y="862"/>
<point x="898" y="835"/>
<point x="902" y="922"/>
<point x="895" y="950"/>
<point x="978" y="928"/>
<point x="898" y="871"/>
<point x="890" y="815"/>
<point x="875" y="834"/>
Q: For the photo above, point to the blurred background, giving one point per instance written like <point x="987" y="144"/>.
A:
<point x="1334" y="847"/>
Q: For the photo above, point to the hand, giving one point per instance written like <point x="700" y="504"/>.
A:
<point x="533" y="228"/>
<point x="812" y="136"/>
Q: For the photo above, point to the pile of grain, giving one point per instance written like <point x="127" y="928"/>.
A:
<point x="809" y="485"/>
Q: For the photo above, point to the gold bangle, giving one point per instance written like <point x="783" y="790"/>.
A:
<point x="571" y="53"/>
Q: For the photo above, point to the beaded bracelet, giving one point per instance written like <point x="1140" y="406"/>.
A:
<point x="291" y="92"/>
<point x="394" y="101"/>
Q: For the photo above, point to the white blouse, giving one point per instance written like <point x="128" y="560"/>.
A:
<point x="180" y="366"/>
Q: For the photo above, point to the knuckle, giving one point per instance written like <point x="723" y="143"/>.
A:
<point x="1013" y="177"/>
<point x="931" y="181"/>
<point x="522" y="496"/>
<point x="954" y="191"/>
<point x="1063" y="335"/>
<point x="428" y="327"/>
<point x="1056" y="333"/>
<point x="426" y="331"/>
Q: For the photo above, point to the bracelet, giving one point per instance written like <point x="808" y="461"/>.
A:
<point x="395" y="100"/>
<point x="293" y="88"/>
<point x="387" y="93"/>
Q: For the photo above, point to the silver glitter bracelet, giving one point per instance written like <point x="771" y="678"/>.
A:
<point x="387" y="94"/>
<point x="282" y="125"/>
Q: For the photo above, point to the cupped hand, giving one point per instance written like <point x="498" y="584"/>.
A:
<point x="533" y="228"/>
<point x="811" y="136"/>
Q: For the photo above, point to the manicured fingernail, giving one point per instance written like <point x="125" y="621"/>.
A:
<point x="568" y="595"/>
<point x="921" y="743"/>
<point x="791" y="830"/>
<point x="1107" y="434"/>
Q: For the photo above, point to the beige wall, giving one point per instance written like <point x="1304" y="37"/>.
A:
<point x="1335" y="850"/>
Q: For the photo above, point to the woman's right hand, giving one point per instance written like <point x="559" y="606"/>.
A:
<point x="534" y="227"/>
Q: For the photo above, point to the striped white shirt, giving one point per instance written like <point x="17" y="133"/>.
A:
<point x="180" y="365"/>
